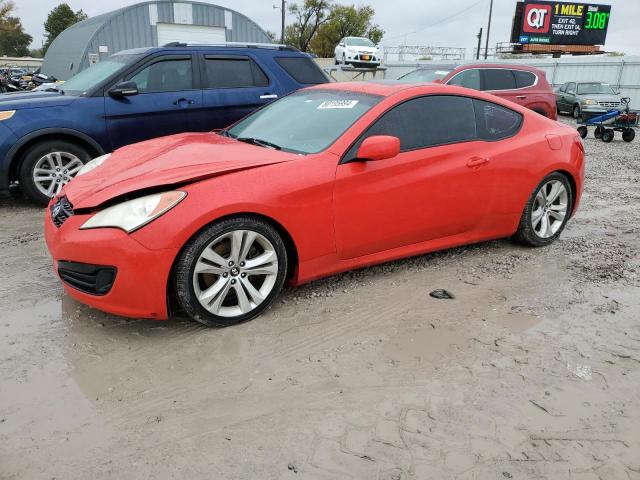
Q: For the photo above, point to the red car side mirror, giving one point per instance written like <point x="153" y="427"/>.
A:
<point x="437" y="80"/>
<point x="379" y="147"/>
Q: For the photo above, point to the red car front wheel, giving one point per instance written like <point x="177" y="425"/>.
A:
<point x="231" y="271"/>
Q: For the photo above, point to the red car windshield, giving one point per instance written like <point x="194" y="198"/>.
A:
<point x="304" y="122"/>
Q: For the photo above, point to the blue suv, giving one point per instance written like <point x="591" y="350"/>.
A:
<point x="135" y="95"/>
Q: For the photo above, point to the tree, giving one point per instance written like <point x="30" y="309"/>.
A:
<point x="59" y="19"/>
<point x="273" y="36"/>
<point x="14" y="42"/>
<point x="310" y="16"/>
<point x="345" y="21"/>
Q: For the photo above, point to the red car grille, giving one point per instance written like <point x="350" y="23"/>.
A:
<point x="60" y="211"/>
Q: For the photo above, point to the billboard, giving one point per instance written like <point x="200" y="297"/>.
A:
<point x="560" y="23"/>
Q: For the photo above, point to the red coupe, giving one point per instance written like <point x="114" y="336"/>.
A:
<point x="327" y="179"/>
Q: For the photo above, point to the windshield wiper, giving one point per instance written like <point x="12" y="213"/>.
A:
<point x="259" y="142"/>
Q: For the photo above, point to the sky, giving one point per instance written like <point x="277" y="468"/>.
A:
<point x="409" y="22"/>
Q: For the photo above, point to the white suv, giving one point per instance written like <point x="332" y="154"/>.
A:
<point x="357" y="51"/>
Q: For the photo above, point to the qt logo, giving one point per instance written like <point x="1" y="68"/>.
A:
<point x="537" y="18"/>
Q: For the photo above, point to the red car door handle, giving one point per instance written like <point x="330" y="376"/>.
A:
<point x="521" y="97"/>
<point x="477" y="161"/>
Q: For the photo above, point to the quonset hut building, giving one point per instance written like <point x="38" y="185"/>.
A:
<point x="146" y="24"/>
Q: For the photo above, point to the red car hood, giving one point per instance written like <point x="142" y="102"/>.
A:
<point x="166" y="161"/>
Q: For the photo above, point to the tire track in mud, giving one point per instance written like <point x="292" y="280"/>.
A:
<point x="350" y="323"/>
<point x="337" y="326"/>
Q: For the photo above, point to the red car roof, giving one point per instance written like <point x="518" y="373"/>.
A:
<point x="512" y="66"/>
<point x="388" y="88"/>
<point x="382" y="88"/>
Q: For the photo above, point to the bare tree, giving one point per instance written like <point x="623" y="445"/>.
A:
<point x="310" y="16"/>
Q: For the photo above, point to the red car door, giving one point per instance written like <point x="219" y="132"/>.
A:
<point x="438" y="186"/>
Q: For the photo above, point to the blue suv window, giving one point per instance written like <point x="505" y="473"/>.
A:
<point x="302" y="69"/>
<point x="233" y="72"/>
<point x="91" y="78"/>
<point x="165" y="76"/>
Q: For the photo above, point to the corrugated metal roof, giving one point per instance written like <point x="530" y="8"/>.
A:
<point x="133" y="27"/>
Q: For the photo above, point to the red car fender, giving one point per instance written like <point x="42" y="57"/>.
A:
<point x="297" y="198"/>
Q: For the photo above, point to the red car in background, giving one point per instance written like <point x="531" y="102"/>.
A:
<point x="327" y="179"/>
<point x="524" y="85"/>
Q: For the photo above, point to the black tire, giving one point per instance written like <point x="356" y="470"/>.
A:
<point x="526" y="233"/>
<point x="185" y="266"/>
<point x="35" y="153"/>
<point x="607" y="135"/>
<point x="597" y="133"/>
<point x="582" y="130"/>
<point x="576" y="111"/>
<point x="628" y="134"/>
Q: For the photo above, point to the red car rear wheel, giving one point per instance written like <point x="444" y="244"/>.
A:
<point x="547" y="211"/>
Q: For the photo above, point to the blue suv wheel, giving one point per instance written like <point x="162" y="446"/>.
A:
<point x="49" y="165"/>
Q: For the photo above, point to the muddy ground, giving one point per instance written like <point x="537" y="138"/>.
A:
<point x="532" y="371"/>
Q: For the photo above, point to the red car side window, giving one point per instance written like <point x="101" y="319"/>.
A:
<point x="524" y="79"/>
<point x="498" y="79"/>
<point x="467" y="78"/>
<point x="425" y="122"/>
<point x="496" y="122"/>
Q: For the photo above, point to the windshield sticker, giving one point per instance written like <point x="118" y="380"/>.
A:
<point x="329" y="104"/>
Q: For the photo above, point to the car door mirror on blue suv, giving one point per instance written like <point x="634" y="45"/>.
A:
<point x="124" y="89"/>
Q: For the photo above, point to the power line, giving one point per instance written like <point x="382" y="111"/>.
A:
<point x="439" y="22"/>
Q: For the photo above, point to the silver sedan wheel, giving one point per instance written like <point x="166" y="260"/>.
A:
<point x="235" y="273"/>
<point x="549" y="209"/>
<point x="54" y="170"/>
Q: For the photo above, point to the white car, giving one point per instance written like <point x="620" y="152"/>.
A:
<point x="357" y="51"/>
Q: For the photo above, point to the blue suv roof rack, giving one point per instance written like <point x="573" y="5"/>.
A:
<point x="274" y="46"/>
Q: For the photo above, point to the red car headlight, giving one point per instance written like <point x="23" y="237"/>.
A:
<point x="133" y="214"/>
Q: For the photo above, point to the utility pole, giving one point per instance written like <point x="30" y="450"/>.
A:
<point x="283" y="12"/>
<point x="479" y="44"/>
<point x="486" y="47"/>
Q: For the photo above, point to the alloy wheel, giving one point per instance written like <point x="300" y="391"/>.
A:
<point x="54" y="170"/>
<point x="235" y="273"/>
<point x="550" y="209"/>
